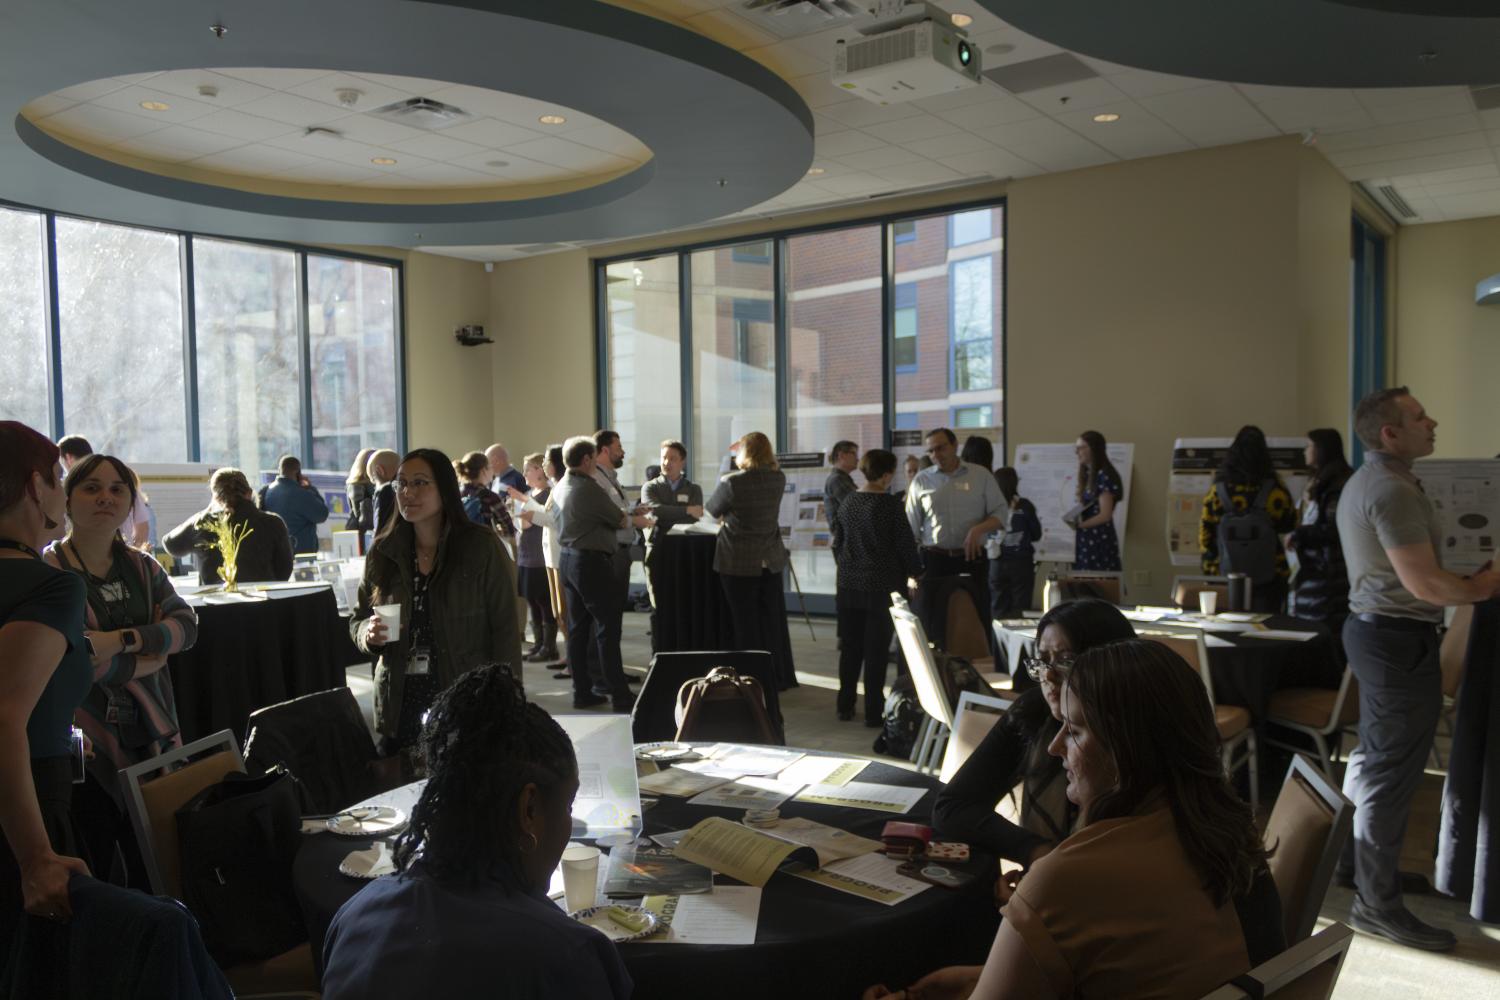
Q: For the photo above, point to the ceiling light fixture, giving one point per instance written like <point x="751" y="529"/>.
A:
<point x="382" y="161"/>
<point x="1106" y="117"/>
<point x="497" y="163"/>
<point x="348" y="96"/>
<point x="552" y="119"/>
<point x="156" y="106"/>
<point x="962" y="20"/>
<point x="815" y="171"/>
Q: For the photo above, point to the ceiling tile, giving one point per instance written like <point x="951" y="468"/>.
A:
<point x="847" y="185"/>
<point x="1463" y="187"/>
<point x="1379" y="97"/>
<point x="1048" y="144"/>
<point x="911" y="129"/>
<point x="1210" y="115"/>
<point x="1257" y="92"/>
<point x="434" y="146"/>
<point x="886" y="156"/>
<point x="844" y="143"/>
<point x="1328" y="110"/>
<point x="818" y="91"/>
<point x="275" y="79"/>
<point x="986" y="91"/>
<point x="253" y="161"/>
<point x="178" y="142"/>
<point x="491" y="134"/>
<point x="405" y="84"/>
<point x="611" y="140"/>
<point x="1000" y="109"/>
<point x="823" y="125"/>
<point x="517" y="169"/>
<point x="1469" y="205"/>
<point x="232" y="91"/>
<point x="1144" y="83"/>
<point x="394" y="181"/>
<point x="339" y="150"/>
<point x="89" y="90"/>
<point x="1420" y="165"/>
<point x="139" y="78"/>
<point x="449" y="175"/>
<point x="729" y="29"/>
<point x="242" y="126"/>
<point x="857" y="112"/>
<point x="1077" y="96"/>
<point x="95" y="124"/>
<point x="1456" y="174"/>
<point x="378" y="131"/>
<point x="789" y="60"/>
<point x="1410" y="150"/>
<point x="327" y="172"/>
<point x="47" y="104"/>
<point x="130" y="99"/>
<point x="944" y="146"/>
<point x="293" y="110"/>
<point x="1137" y="133"/>
<point x="1384" y="135"/>
<point x="373" y="96"/>
<point x="991" y="163"/>
<point x="1432" y="107"/>
<point x="1024" y="47"/>
<point x="569" y="155"/>
<point x="923" y="172"/>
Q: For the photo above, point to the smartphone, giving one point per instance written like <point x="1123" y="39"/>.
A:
<point x="945" y="876"/>
<point x="80" y="769"/>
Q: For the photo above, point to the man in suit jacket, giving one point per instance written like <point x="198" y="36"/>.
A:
<point x="674" y="499"/>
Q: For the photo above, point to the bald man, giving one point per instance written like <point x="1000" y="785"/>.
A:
<point x="502" y="472"/>
<point x="382" y="471"/>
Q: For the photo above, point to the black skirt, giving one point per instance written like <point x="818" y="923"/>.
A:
<point x="531" y="583"/>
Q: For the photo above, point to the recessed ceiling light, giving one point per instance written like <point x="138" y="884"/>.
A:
<point x="156" y="106"/>
<point x="382" y="161"/>
<point x="1106" y="117"/>
<point x="815" y="171"/>
<point x="962" y="20"/>
<point x="552" y="119"/>
<point x="497" y="163"/>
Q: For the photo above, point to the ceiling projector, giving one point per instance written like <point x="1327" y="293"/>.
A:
<point x="917" y="54"/>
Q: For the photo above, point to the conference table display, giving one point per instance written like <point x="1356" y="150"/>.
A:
<point x="263" y="645"/>
<point x="1249" y="656"/>
<point x="815" y="911"/>
<point x="691" y="610"/>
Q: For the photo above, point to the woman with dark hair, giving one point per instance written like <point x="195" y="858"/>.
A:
<point x="265" y="554"/>
<point x="134" y="620"/>
<point x="455" y="584"/>
<point x="1164" y="890"/>
<point x="1098" y="491"/>
<point x="978" y="451"/>
<point x="543" y="510"/>
<point x="1015" y="750"/>
<point x="1322" y="588"/>
<point x="1012" y="550"/>
<point x="1247" y="482"/>
<point x="468" y="914"/>
<point x="876" y="554"/>
<point x="46" y="676"/>
<point x="481" y="504"/>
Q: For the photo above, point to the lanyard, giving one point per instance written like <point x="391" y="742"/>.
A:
<point x="11" y="543"/>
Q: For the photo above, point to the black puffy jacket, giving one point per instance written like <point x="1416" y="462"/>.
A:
<point x="1321" y="591"/>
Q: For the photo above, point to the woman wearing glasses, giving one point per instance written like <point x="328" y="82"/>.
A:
<point x="453" y="581"/>
<point x="1015" y="750"/>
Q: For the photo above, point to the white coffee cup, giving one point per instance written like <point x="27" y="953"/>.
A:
<point x="580" y="868"/>
<point x="390" y="614"/>
<point x="1208" y="601"/>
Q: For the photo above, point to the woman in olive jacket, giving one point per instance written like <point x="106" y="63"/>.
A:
<point x="456" y="588"/>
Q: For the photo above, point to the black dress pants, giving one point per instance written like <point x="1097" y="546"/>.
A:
<point x="752" y="610"/>
<point x="594" y="622"/>
<point x="1012" y="582"/>
<point x="865" y="623"/>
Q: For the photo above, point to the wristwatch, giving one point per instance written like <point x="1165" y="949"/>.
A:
<point x="130" y="639"/>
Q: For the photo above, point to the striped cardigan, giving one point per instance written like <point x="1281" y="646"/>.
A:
<point x="173" y="627"/>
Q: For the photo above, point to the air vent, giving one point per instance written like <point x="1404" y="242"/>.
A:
<point x="1395" y="201"/>
<point x="795" y="18"/>
<point x="1048" y="71"/>
<point x="1485" y="98"/>
<point x="423" y="113"/>
<point x="881" y="50"/>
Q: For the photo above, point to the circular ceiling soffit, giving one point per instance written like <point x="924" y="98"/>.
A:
<point x="1289" y="43"/>
<point x="722" y="131"/>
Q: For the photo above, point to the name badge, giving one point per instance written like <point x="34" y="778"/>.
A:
<point x="682" y="498"/>
<point x="420" y="663"/>
<point x="961" y="487"/>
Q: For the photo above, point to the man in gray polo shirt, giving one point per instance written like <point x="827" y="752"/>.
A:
<point x="1397" y="591"/>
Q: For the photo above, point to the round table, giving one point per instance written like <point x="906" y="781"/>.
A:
<point x="811" y="941"/>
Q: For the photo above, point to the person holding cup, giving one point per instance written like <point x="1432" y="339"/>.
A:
<point x="467" y="912"/>
<point x="448" y="593"/>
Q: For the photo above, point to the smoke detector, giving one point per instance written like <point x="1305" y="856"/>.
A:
<point x="348" y="96"/>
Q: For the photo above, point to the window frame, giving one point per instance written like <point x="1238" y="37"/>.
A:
<point x="186" y="278"/>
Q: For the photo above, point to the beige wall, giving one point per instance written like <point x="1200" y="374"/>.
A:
<point x="1446" y="347"/>
<point x="1178" y="295"/>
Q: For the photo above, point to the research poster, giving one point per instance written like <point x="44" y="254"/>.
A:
<point x="1466" y="495"/>
<point x="1194" y="461"/>
<point x="804" y="522"/>
<point x="176" y="490"/>
<point x="1049" y="479"/>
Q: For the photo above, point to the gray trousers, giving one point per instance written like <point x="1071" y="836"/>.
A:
<point x="1400" y="699"/>
<point x="620" y="567"/>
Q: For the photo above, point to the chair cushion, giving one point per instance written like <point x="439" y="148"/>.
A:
<point x="288" y="972"/>
<point x="1231" y="721"/>
<point x="998" y="681"/>
<point x="1311" y="707"/>
<point x="1297" y="834"/>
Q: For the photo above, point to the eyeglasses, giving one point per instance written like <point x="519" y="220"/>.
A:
<point x="1060" y="664"/>
<point x="413" y="485"/>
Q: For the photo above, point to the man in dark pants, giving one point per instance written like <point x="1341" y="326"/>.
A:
<point x="951" y="506"/>
<point x="609" y="455"/>
<point x="674" y="499"/>
<point x="589" y="521"/>
<point x="1397" y="590"/>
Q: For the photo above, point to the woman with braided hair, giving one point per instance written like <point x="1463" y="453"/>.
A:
<point x="467" y="913"/>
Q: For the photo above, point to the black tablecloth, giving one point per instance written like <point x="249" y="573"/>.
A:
<point x="811" y="941"/>
<point x="1247" y="673"/>
<point x="1468" y="863"/>
<point x="256" y="654"/>
<point x="692" y="613"/>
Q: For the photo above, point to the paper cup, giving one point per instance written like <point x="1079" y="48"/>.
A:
<point x="580" y="868"/>
<point x="391" y="615"/>
<point x="1208" y="601"/>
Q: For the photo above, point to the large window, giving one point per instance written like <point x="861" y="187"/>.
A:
<point x="644" y="361"/>
<point x="23" y="319"/>
<point x="257" y="362"/>
<point x="119" y="298"/>
<point x="812" y="337"/>
<point x="249" y="401"/>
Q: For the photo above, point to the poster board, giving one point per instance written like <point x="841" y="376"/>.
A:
<point x="1193" y="463"/>
<point x="803" y="519"/>
<point x="177" y="490"/>
<point x="1466" y="494"/>
<point x="1049" y="479"/>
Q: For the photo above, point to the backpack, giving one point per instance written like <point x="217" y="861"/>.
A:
<point x="237" y="841"/>
<point x="726" y="707"/>
<point x="1247" y="538"/>
<point x="900" y="721"/>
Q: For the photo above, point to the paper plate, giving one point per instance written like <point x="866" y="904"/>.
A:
<point x="370" y="863"/>
<point x="597" y="918"/>
<point x="367" y="821"/>
<point x="666" y="752"/>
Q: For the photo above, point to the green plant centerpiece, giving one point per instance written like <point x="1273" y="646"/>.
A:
<point x="225" y="537"/>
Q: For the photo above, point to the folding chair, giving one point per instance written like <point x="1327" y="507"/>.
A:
<point x="977" y="714"/>
<point x="1307" y="970"/>
<point x="932" y="689"/>
<point x="1236" y="735"/>
<point x="1185" y="590"/>
<point x="1319" y="714"/>
<point x="1106" y="585"/>
<point x="1309" y="825"/>
<point x="323" y="740"/>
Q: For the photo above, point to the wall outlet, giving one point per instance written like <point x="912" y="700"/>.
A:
<point x="1141" y="578"/>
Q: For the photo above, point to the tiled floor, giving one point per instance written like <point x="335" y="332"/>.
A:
<point x="1375" y="968"/>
